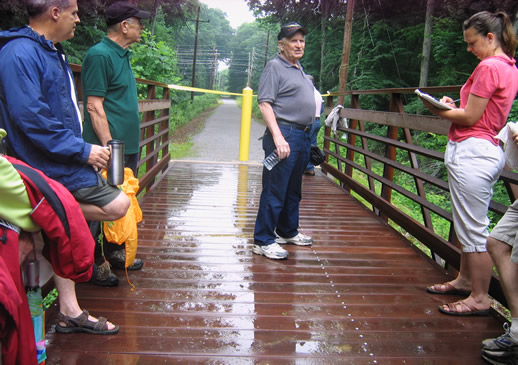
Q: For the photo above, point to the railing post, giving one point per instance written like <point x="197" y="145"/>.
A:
<point x="327" y="130"/>
<point x="149" y="131"/>
<point x="396" y="105"/>
<point x="351" y="138"/>
<point x="246" y="121"/>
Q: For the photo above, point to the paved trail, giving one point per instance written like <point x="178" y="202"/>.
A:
<point x="219" y="140"/>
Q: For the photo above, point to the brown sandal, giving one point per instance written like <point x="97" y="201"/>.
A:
<point x="453" y="309"/>
<point x="83" y="324"/>
<point x="448" y="290"/>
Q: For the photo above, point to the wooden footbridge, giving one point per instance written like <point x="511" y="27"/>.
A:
<point x="357" y="296"/>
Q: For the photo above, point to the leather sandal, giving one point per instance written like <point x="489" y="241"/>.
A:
<point x="459" y="309"/>
<point x="82" y="324"/>
<point x="448" y="290"/>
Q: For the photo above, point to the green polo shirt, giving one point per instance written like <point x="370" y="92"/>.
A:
<point x="106" y="72"/>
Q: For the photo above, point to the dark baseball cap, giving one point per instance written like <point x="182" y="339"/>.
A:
<point x="289" y="29"/>
<point x="119" y="11"/>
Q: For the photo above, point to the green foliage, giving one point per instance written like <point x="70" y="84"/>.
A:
<point x="513" y="115"/>
<point x="154" y="60"/>
<point x="49" y="299"/>
<point x="183" y="111"/>
<point x="249" y="44"/>
<point x="214" y="35"/>
<point x="85" y="37"/>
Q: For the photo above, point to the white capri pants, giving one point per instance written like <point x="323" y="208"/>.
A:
<point x="474" y="166"/>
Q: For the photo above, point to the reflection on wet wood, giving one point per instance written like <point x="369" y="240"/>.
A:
<point x="356" y="296"/>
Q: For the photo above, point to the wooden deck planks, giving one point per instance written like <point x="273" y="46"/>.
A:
<point x="356" y="296"/>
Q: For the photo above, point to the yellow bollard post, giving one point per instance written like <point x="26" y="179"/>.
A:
<point x="246" y="122"/>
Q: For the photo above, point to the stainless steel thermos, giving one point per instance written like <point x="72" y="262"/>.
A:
<point x="116" y="163"/>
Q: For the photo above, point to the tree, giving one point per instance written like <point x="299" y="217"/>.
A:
<point x="214" y="36"/>
<point x="427" y="44"/>
<point x="313" y="14"/>
<point x="248" y="46"/>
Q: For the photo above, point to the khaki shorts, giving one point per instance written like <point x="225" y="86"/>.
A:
<point x="100" y="195"/>
<point x="506" y="230"/>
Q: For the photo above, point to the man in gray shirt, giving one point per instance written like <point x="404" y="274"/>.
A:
<point x="287" y="103"/>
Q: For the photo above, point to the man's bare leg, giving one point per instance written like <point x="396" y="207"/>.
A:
<point x="110" y="212"/>
<point x="68" y="304"/>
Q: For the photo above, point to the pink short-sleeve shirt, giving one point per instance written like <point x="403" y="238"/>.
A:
<point x="495" y="78"/>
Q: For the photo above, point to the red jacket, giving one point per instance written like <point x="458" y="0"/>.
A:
<point x="69" y="245"/>
<point x="16" y="331"/>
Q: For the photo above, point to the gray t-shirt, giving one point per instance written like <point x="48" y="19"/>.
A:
<point x="288" y="90"/>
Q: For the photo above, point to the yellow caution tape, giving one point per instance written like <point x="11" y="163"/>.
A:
<point x="188" y="88"/>
<point x="196" y="89"/>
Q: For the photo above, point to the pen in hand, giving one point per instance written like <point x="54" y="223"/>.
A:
<point x="449" y="102"/>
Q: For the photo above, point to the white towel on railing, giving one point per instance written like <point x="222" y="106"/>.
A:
<point x="334" y="120"/>
<point x="510" y="148"/>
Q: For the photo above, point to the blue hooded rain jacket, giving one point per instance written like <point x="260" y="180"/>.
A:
<point x="37" y="110"/>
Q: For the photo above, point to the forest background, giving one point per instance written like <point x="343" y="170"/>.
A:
<point x="386" y="50"/>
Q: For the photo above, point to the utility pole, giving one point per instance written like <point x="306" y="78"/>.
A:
<point x="195" y="51"/>
<point x="251" y="68"/>
<point x="213" y="67"/>
<point x="266" y="51"/>
<point x="344" y="67"/>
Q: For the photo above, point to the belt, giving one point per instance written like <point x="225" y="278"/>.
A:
<point x="305" y="128"/>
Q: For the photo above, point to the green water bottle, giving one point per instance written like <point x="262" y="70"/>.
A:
<point x="33" y="290"/>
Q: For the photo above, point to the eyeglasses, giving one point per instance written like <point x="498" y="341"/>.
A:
<point x="136" y="21"/>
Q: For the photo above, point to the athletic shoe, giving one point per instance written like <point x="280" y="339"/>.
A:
<point x="272" y="251"/>
<point x="500" y="358"/>
<point x="299" y="240"/>
<point x="501" y="350"/>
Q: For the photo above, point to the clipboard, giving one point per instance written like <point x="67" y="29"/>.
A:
<point x="433" y="101"/>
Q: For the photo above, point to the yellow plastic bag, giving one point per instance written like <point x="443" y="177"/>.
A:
<point x="124" y="230"/>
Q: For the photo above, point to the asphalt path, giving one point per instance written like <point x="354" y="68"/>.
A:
<point x="219" y="139"/>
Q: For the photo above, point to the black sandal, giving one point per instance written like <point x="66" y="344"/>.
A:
<point x="83" y="324"/>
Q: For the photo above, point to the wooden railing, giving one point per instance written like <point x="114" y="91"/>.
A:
<point x="365" y="164"/>
<point x="154" y="130"/>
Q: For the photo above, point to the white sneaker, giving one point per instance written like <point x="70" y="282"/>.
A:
<point x="272" y="251"/>
<point x="299" y="240"/>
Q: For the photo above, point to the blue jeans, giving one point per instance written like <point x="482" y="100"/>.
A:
<point x="131" y="161"/>
<point x="314" y="133"/>
<point x="282" y="187"/>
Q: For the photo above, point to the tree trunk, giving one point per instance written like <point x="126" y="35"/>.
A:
<point x="323" y="26"/>
<point x="153" y="16"/>
<point x="344" y="66"/>
<point x="427" y="44"/>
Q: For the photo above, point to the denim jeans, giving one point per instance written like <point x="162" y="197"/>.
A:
<point x="131" y="161"/>
<point x="282" y="187"/>
<point x="314" y="133"/>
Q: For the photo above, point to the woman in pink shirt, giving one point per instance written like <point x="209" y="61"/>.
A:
<point x="473" y="156"/>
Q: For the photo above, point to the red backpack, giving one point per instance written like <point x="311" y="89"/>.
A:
<point x="69" y="245"/>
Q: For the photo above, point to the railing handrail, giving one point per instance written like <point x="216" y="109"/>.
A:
<point x="154" y="129"/>
<point x="350" y="161"/>
<point x="403" y="90"/>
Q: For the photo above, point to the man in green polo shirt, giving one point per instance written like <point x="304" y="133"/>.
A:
<point x="110" y="92"/>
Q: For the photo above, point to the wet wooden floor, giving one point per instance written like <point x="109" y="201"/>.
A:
<point x="357" y="296"/>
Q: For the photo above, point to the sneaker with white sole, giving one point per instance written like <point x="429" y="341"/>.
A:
<point x="299" y="240"/>
<point x="272" y="251"/>
<point x="501" y="349"/>
<point x="500" y="358"/>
